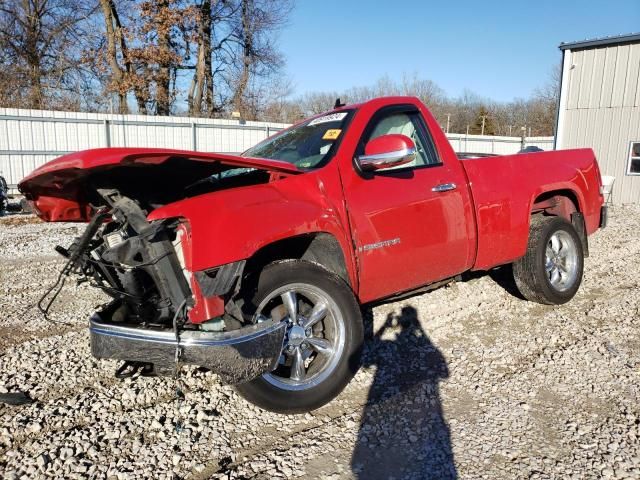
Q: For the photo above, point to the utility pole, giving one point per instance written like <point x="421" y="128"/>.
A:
<point x="484" y="117"/>
<point x="509" y="129"/>
<point x="523" y="142"/>
<point x="448" y="121"/>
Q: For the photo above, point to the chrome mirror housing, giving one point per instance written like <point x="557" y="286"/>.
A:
<point x="387" y="151"/>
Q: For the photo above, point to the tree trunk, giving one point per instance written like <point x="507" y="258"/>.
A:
<point x="36" y="100"/>
<point x="115" y="37"/>
<point x="33" y="56"/>
<point x="163" y="75"/>
<point x="202" y="85"/>
<point x="140" y="100"/>
<point x="208" y="67"/>
<point x="247" y="58"/>
<point x="190" y="93"/>
<point x="199" y="80"/>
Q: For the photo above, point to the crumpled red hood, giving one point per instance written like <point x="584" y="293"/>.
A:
<point x="56" y="188"/>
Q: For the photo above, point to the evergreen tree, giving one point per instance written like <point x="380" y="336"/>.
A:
<point x="489" y="127"/>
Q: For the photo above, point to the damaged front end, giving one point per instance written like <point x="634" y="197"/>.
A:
<point x="161" y="312"/>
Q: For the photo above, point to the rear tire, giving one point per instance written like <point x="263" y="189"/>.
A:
<point x="328" y="349"/>
<point x="551" y="270"/>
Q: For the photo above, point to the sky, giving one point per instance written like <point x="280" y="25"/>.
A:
<point x="500" y="50"/>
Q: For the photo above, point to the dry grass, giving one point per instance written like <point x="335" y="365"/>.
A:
<point x="13" y="220"/>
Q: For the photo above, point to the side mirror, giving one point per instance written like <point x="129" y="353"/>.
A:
<point x="387" y="151"/>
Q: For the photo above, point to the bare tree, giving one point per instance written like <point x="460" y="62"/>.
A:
<point x="462" y="114"/>
<point x="313" y="103"/>
<point x="202" y="83"/>
<point x="276" y="104"/>
<point x="545" y="103"/>
<point x="117" y="57"/>
<point x="210" y="56"/>
<point x="144" y="50"/>
<point x="41" y="40"/>
<point x="163" y="34"/>
<point x="214" y="22"/>
<point x="215" y="54"/>
<point x="257" y="56"/>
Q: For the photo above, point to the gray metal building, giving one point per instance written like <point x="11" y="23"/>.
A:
<point x="599" y="107"/>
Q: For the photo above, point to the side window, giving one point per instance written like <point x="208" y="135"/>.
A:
<point x="633" y="167"/>
<point x="411" y="125"/>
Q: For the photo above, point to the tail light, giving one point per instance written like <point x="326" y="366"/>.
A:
<point x="598" y="174"/>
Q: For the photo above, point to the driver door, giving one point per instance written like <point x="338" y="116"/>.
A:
<point x="408" y="233"/>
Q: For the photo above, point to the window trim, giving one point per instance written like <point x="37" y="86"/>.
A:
<point x="631" y="158"/>
<point x="422" y="128"/>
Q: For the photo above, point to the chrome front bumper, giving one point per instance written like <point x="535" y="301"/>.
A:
<point x="236" y="356"/>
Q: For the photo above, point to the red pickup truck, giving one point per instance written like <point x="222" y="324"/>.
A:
<point x="255" y="266"/>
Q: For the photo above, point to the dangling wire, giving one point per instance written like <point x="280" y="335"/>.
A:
<point x="56" y="288"/>
<point x="180" y="312"/>
<point x="72" y="258"/>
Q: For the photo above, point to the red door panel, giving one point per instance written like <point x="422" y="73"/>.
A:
<point x="406" y="234"/>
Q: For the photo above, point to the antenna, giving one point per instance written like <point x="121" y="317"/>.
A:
<point x="338" y="103"/>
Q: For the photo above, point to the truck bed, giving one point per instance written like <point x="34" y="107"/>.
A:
<point x="505" y="188"/>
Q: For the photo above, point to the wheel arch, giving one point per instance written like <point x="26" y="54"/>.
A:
<point x="564" y="203"/>
<point x="561" y="202"/>
<point x="322" y="248"/>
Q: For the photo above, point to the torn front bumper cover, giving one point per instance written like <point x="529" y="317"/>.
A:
<point x="236" y="356"/>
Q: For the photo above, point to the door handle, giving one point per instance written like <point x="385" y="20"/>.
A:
<point x="444" y="187"/>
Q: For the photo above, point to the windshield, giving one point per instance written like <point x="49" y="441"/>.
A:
<point x="306" y="145"/>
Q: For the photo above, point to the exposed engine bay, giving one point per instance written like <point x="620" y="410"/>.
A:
<point x="137" y="262"/>
<point x="141" y="265"/>
<point x="167" y="309"/>
<point x="132" y="260"/>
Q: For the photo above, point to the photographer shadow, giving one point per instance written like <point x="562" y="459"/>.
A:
<point x="403" y="432"/>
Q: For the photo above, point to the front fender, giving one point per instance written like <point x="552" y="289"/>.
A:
<point x="231" y="225"/>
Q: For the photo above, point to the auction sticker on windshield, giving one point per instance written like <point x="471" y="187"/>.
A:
<point x="332" y="117"/>
<point x="331" y="134"/>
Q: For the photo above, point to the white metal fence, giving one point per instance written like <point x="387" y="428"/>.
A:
<point x="497" y="145"/>
<point x="29" y="138"/>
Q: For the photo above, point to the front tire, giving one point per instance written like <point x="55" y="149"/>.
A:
<point x="551" y="270"/>
<point x="321" y="351"/>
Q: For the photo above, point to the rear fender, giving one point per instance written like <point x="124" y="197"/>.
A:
<point x="568" y="204"/>
<point x="506" y="199"/>
<point x="552" y="206"/>
<point x="560" y="199"/>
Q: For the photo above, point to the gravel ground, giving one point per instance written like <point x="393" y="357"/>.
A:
<point x="468" y="380"/>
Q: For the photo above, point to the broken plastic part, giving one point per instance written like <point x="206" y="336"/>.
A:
<point x="213" y="325"/>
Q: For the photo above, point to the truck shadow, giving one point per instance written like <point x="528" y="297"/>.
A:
<point x="503" y="276"/>
<point x="403" y="432"/>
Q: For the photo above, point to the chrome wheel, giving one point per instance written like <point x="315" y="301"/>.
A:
<point x="315" y="337"/>
<point x="561" y="261"/>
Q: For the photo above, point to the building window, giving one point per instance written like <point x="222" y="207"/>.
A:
<point x="634" y="159"/>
